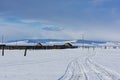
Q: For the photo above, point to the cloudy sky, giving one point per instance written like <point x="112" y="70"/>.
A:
<point x="60" y="19"/>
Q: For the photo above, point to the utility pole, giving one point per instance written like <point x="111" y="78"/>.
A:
<point x="2" y="39"/>
<point x="83" y="41"/>
<point x="16" y="42"/>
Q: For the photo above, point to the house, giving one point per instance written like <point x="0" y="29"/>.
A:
<point x="39" y="44"/>
<point x="68" y="45"/>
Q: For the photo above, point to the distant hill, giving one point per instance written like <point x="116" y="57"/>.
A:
<point x="38" y="40"/>
<point x="60" y="41"/>
<point x="90" y="41"/>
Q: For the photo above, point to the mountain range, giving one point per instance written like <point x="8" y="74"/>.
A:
<point x="61" y="41"/>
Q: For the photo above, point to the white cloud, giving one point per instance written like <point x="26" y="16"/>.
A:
<point x="12" y="30"/>
<point x="29" y="20"/>
<point x="51" y="28"/>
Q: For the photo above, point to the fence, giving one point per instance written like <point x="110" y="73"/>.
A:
<point x="14" y="47"/>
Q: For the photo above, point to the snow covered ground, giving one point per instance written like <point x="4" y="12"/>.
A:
<point x="63" y="64"/>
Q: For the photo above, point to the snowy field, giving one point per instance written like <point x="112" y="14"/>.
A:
<point x="67" y="64"/>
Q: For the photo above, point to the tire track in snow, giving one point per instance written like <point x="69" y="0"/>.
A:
<point x="102" y="72"/>
<point x="74" y="71"/>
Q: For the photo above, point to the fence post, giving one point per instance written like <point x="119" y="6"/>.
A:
<point x="3" y="50"/>
<point x="25" y="52"/>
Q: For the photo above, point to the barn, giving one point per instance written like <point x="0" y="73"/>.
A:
<point x="39" y="44"/>
<point x="68" y="45"/>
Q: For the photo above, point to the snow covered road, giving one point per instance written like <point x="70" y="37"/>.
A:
<point x="87" y="69"/>
<point x="74" y="71"/>
<point x="102" y="72"/>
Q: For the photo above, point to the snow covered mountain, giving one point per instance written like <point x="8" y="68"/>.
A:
<point x="59" y="41"/>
